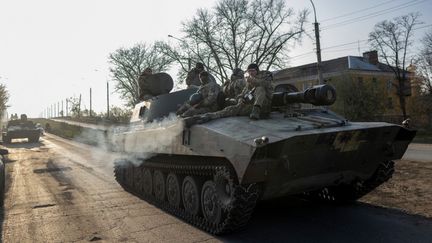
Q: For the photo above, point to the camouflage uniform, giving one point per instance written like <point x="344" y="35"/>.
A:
<point x="210" y="93"/>
<point x="193" y="77"/>
<point x="234" y="87"/>
<point x="262" y="90"/>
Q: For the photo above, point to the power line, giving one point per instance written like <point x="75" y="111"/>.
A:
<point x="374" y="14"/>
<point x="330" y="47"/>
<point x="370" y="15"/>
<point x="422" y="27"/>
<point x="346" y="44"/>
<point x="357" y="11"/>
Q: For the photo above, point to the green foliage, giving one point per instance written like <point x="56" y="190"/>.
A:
<point x="421" y="111"/>
<point x="118" y="114"/>
<point x="358" y="101"/>
<point x="4" y="98"/>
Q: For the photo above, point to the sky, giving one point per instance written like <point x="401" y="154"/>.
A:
<point x="54" y="49"/>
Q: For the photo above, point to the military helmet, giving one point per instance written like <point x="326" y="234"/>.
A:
<point x="253" y="66"/>
<point x="199" y="66"/>
<point x="196" y="98"/>
<point x="237" y="72"/>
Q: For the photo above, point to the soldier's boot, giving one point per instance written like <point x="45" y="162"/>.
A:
<point x="255" y="114"/>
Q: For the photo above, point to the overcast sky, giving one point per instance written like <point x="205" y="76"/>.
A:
<point x="54" y="49"/>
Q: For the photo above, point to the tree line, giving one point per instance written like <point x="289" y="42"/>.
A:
<point x="235" y="33"/>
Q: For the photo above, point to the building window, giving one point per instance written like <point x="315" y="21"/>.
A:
<point x="389" y="85"/>
<point x="389" y="102"/>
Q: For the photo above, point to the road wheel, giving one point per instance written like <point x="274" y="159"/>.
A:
<point x="147" y="182"/>
<point x="173" y="190"/>
<point x="138" y="180"/>
<point x="129" y="176"/>
<point x="33" y="139"/>
<point x="159" y="185"/>
<point x="209" y="203"/>
<point x="191" y="195"/>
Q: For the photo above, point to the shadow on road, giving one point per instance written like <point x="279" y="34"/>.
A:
<point x="294" y="220"/>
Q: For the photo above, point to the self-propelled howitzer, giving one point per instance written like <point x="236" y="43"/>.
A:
<point x="212" y="174"/>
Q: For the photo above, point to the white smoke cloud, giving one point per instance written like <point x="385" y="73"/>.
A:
<point x="137" y="141"/>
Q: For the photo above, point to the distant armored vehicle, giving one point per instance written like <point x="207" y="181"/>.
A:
<point x="212" y="174"/>
<point x="21" y="128"/>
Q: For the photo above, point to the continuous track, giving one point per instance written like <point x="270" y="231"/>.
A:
<point x="228" y="209"/>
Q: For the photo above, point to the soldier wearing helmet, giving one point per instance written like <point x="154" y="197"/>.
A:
<point x="254" y="101"/>
<point x="192" y="79"/>
<point x="204" y="100"/>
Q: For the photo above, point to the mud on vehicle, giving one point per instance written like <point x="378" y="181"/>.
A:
<point x="213" y="174"/>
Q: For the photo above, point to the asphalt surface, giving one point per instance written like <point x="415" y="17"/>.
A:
<point x="419" y="152"/>
<point x="62" y="191"/>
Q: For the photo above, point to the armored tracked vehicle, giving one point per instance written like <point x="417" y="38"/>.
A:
<point x="212" y="174"/>
<point x="21" y="128"/>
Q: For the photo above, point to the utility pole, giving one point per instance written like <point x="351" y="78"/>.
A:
<point x="62" y="112"/>
<point x="90" y="102"/>
<point x="318" y="47"/>
<point x="107" y="100"/>
<point x="67" y="106"/>
<point x="58" y="109"/>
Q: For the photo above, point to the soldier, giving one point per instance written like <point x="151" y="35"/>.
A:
<point x="205" y="100"/>
<point x="144" y="92"/>
<point x="233" y="87"/>
<point x="192" y="79"/>
<point x="254" y="101"/>
<point x="193" y="75"/>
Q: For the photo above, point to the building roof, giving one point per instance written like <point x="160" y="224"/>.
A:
<point x="330" y="66"/>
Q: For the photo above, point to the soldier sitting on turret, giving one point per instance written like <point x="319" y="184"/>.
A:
<point x="235" y="85"/>
<point x="254" y="101"/>
<point x="192" y="78"/>
<point x="204" y="100"/>
<point x="144" y="89"/>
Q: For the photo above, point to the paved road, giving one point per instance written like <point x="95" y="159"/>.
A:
<point x="61" y="191"/>
<point x="419" y="152"/>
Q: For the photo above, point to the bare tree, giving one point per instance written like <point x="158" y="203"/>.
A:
<point x="392" y="39"/>
<point x="127" y="65"/>
<point x="4" y="98"/>
<point x="424" y="64"/>
<point x="238" y="32"/>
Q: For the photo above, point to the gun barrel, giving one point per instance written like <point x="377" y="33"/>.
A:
<point x="317" y="95"/>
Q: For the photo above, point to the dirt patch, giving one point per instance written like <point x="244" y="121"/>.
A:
<point x="409" y="190"/>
